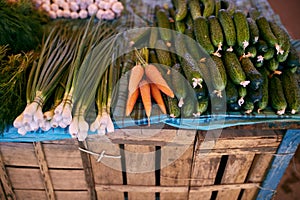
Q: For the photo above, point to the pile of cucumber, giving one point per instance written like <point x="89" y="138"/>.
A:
<point x="250" y="61"/>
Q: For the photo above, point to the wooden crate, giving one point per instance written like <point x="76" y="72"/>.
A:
<point x="150" y="166"/>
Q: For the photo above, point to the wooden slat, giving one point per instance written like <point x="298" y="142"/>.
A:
<point x="109" y="170"/>
<point x="257" y="173"/>
<point x="44" y="170"/>
<point x="236" y="170"/>
<point x="18" y="154"/>
<point x="62" y="156"/>
<point x="175" y="189"/>
<point x="259" y="150"/>
<point x="176" y="164"/>
<point x="60" y="195"/>
<point x="140" y="169"/>
<point x="203" y="174"/>
<point x="87" y="167"/>
<point x="2" y="193"/>
<point x="27" y="178"/>
<point x="5" y="181"/>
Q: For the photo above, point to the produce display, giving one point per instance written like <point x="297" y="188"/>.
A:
<point x="197" y="57"/>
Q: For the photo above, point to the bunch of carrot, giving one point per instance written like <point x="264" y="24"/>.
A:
<point x="145" y="80"/>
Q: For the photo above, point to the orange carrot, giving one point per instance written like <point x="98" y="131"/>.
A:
<point x="146" y="97"/>
<point x="131" y="99"/>
<point x="136" y="75"/>
<point x="155" y="77"/>
<point x="155" y="92"/>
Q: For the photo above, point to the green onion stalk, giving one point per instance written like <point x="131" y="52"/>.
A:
<point x="44" y="76"/>
<point x="85" y="87"/>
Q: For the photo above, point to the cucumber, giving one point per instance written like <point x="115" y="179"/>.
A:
<point x="293" y="69"/>
<point x="217" y="104"/>
<point x="153" y="37"/>
<point x="291" y="91"/>
<point x="202" y="35"/>
<point x="191" y="70"/>
<point x="251" y="51"/>
<point x="272" y="64"/>
<point x="195" y="9"/>
<point x="174" y="110"/>
<point x="263" y="103"/>
<point x="190" y="107"/>
<point x="228" y="28"/>
<point x="209" y="7"/>
<point x="231" y="92"/>
<point x="269" y="54"/>
<point x="201" y="92"/>
<point x="248" y="106"/>
<point x="277" y="98"/>
<point x="180" y="26"/>
<point x="254" y="31"/>
<point x="252" y="74"/>
<point x="216" y="34"/>
<point x="262" y="46"/>
<point x="293" y="58"/>
<point x="234" y="69"/>
<point x="152" y="57"/>
<point x="254" y="13"/>
<point x="163" y="55"/>
<point x="242" y="29"/>
<point x="164" y="25"/>
<point x="218" y="75"/>
<point x="179" y="85"/>
<point x="217" y="6"/>
<point x="189" y="21"/>
<point x="201" y="107"/>
<point x="239" y="51"/>
<point x="193" y="46"/>
<point x="229" y="6"/>
<point x="258" y="63"/>
<point x="181" y="10"/>
<point x="242" y="91"/>
<point x="283" y="39"/>
<point x="266" y="32"/>
<point x="255" y="95"/>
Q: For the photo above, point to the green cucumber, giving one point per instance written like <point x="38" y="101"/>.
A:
<point x="283" y="39"/>
<point x="252" y="74"/>
<point x="234" y="69"/>
<point x="248" y="106"/>
<point x="202" y="34"/>
<point x="190" y="107"/>
<point x="153" y="37"/>
<point x="231" y="92"/>
<point x="269" y="54"/>
<point x="228" y="27"/>
<point x="179" y="84"/>
<point x="251" y="51"/>
<point x="242" y="91"/>
<point x="189" y="21"/>
<point x="242" y="29"/>
<point x="216" y="34"/>
<point x="163" y="23"/>
<point x="217" y="6"/>
<point x="291" y="90"/>
<point x="181" y="10"/>
<point x="266" y="32"/>
<point x="201" y="92"/>
<point x="272" y="64"/>
<point x="229" y="6"/>
<point x="209" y="7"/>
<point x="293" y="58"/>
<point x="263" y="103"/>
<point x="174" y="110"/>
<point x="255" y="95"/>
<point x="254" y="13"/>
<point x="201" y="107"/>
<point x="163" y="55"/>
<point x="218" y="75"/>
<point x="191" y="70"/>
<point x="180" y="26"/>
<point x="262" y="46"/>
<point x="277" y="98"/>
<point x="254" y="31"/>
<point x="195" y="9"/>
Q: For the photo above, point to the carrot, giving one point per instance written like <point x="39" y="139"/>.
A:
<point x="146" y="97"/>
<point x="155" y="92"/>
<point x="154" y="76"/>
<point x="136" y="75"/>
<point x="131" y="99"/>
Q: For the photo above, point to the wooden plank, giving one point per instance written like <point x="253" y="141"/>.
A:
<point x="63" y="156"/>
<point x="44" y="170"/>
<point x="176" y="164"/>
<point x="143" y="137"/>
<point x="203" y="174"/>
<point x="139" y="188"/>
<point x="2" y="193"/>
<point x="259" y="150"/>
<point x="109" y="170"/>
<point x="5" y="182"/>
<point x="87" y="167"/>
<point x="279" y="164"/>
<point x="257" y="173"/>
<point x="140" y="169"/>
<point x="29" y="178"/>
<point x="175" y="189"/>
<point x="236" y="170"/>
<point x="18" y="154"/>
<point x="60" y="195"/>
